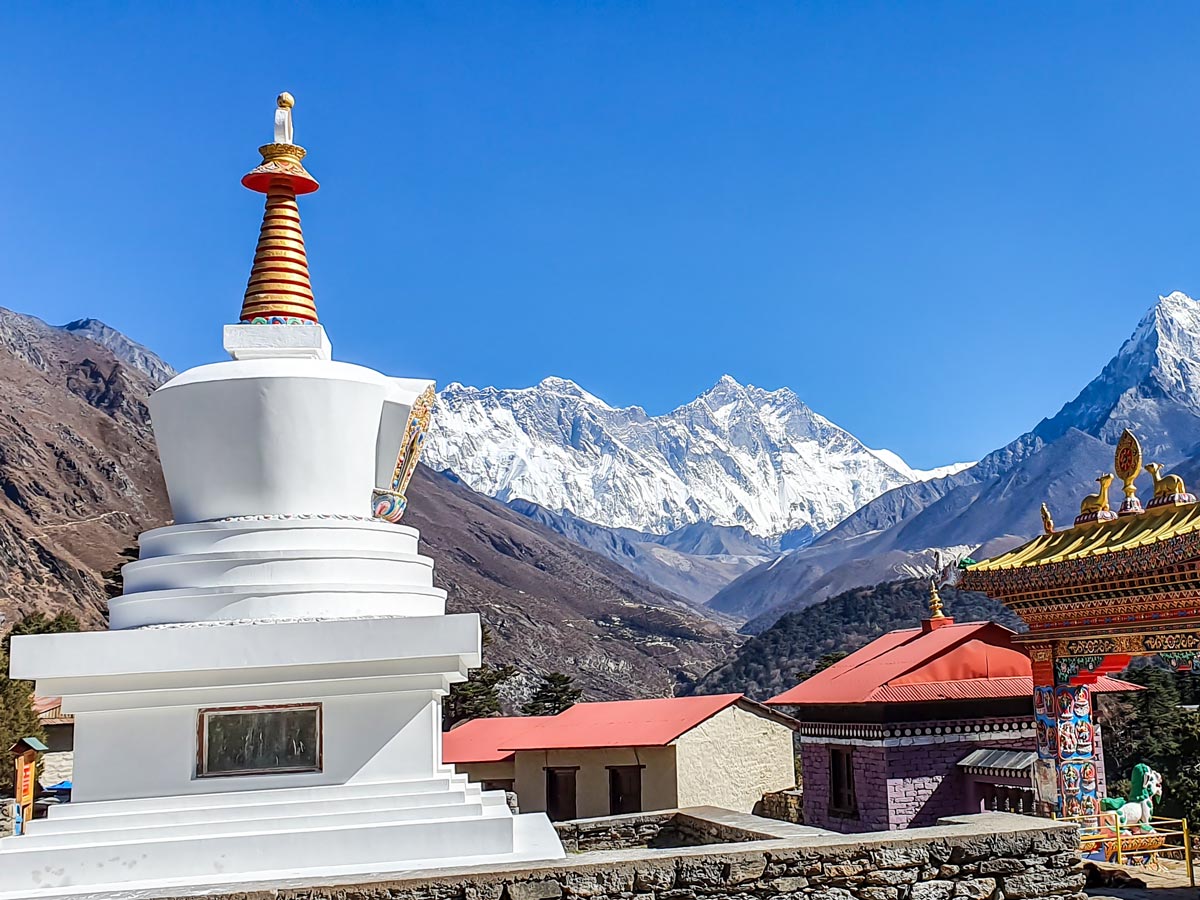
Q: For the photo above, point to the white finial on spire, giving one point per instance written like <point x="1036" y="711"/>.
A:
<point x="283" y="118"/>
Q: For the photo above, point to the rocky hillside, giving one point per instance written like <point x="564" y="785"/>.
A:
<point x="78" y="469"/>
<point x="553" y="606"/>
<point x="80" y="479"/>
<point x="786" y="653"/>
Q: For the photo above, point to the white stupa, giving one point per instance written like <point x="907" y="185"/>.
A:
<point x="267" y="701"/>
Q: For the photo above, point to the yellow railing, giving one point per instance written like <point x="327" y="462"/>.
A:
<point x="1125" y="843"/>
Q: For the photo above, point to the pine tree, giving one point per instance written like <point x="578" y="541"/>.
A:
<point x="556" y="693"/>
<point x="478" y="697"/>
<point x="1152" y="727"/>
<point x="17" y="718"/>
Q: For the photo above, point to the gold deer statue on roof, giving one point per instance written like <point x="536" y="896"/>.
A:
<point x="1164" y="485"/>
<point x="1095" y="503"/>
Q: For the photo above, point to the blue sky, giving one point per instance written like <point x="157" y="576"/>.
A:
<point x="934" y="221"/>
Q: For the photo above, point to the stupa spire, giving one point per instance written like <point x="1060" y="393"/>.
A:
<point x="279" y="290"/>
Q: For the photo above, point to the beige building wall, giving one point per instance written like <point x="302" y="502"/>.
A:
<point x="591" y="779"/>
<point x="732" y="759"/>
<point x="505" y="770"/>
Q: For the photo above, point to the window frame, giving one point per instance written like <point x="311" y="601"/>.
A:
<point x="842" y="803"/>
<point x="204" y="714"/>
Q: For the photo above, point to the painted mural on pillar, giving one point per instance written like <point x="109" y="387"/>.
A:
<point x="1076" y="750"/>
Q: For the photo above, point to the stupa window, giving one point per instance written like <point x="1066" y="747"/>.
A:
<point x="260" y="740"/>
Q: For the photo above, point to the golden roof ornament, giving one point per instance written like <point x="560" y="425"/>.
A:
<point x="1047" y="522"/>
<point x="1168" y="489"/>
<point x="1127" y="463"/>
<point x="935" y="601"/>
<point x="279" y="290"/>
<point x="1094" y="507"/>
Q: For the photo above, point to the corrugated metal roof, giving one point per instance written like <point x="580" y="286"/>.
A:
<point x="621" y="723"/>
<point x="1016" y="762"/>
<point x="617" y="723"/>
<point x="980" y="689"/>
<point x="479" y="740"/>
<point x="969" y="661"/>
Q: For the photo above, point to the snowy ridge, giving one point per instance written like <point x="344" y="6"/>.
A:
<point x="893" y="459"/>
<point x="736" y="455"/>
<point x="1151" y="386"/>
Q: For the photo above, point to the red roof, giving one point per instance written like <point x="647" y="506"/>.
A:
<point x="617" y="723"/>
<point x="480" y="740"/>
<point x="46" y="704"/>
<point x="971" y="661"/>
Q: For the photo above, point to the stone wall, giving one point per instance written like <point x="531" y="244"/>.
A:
<point x="925" y="783"/>
<point x="911" y="785"/>
<point x="993" y="856"/>
<point x="613" y="832"/>
<point x="786" y="806"/>
<point x="870" y="784"/>
<point x="672" y="828"/>
<point x="8" y="816"/>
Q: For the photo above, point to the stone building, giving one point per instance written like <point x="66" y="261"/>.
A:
<point x="626" y="756"/>
<point x="919" y="724"/>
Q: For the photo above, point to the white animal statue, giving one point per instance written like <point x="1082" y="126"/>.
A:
<point x="1146" y="788"/>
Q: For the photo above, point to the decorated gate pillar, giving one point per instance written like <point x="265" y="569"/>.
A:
<point x="1066" y="734"/>
<point x="1110" y="587"/>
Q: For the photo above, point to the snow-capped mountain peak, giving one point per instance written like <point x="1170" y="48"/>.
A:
<point x="894" y="460"/>
<point x="552" y="384"/>
<point x="1159" y="364"/>
<point x="736" y="455"/>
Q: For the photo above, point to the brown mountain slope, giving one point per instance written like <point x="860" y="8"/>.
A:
<point x="553" y="606"/>
<point x="79" y="479"/>
<point x="78" y="470"/>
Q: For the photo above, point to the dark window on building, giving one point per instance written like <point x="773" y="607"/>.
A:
<point x="498" y="784"/>
<point x="560" y="794"/>
<point x="260" y="740"/>
<point x="842" y="798"/>
<point x="1006" y="798"/>
<point x="624" y="789"/>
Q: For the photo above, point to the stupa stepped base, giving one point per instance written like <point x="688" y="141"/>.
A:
<point x="150" y="813"/>
<point x="111" y="849"/>
<point x="276" y="567"/>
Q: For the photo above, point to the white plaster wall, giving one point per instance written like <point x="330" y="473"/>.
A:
<point x="248" y="437"/>
<point x="732" y="759"/>
<point x="505" y="770"/>
<point x="591" y="781"/>
<point x="152" y="752"/>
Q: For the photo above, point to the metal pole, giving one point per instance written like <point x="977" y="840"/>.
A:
<point x="1187" y="854"/>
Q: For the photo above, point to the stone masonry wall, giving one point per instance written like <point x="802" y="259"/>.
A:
<point x="924" y="783"/>
<point x="908" y="786"/>
<point x="994" y="856"/>
<point x="870" y="783"/>
<point x="786" y="806"/>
